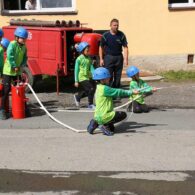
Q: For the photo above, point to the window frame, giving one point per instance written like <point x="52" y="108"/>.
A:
<point x="189" y="5"/>
<point x="39" y="10"/>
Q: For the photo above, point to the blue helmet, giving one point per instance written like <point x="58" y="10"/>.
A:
<point x="1" y="32"/>
<point x="132" y="71"/>
<point x="21" y="32"/>
<point x="81" y="46"/>
<point x="5" y="42"/>
<point x="101" y="73"/>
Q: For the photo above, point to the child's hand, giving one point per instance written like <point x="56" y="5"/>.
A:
<point x="16" y="69"/>
<point x="135" y="92"/>
<point x="154" y="89"/>
<point x="76" y="84"/>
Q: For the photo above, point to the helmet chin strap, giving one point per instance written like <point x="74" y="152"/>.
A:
<point x="21" y="44"/>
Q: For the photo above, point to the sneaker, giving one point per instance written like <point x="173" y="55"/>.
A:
<point x="76" y="100"/>
<point x="91" y="106"/>
<point x="92" y="126"/>
<point x="106" y="131"/>
<point x="3" y="115"/>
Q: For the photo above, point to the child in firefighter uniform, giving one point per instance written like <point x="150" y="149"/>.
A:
<point x="1" y="34"/>
<point x="105" y="116"/>
<point x="138" y="105"/>
<point x="16" y="58"/>
<point x="1" y="53"/>
<point x="3" y="47"/>
<point x="83" y="75"/>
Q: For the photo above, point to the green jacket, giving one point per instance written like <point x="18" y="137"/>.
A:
<point x="83" y="68"/>
<point x="143" y="87"/>
<point x="104" y="111"/>
<point x="16" y="57"/>
<point x="1" y="59"/>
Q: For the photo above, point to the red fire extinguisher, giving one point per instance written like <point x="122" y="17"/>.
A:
<point x="7" y="100"/>
<point x="18" y="101"/>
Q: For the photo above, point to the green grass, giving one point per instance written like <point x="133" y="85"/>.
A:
<point x="178" y="75"/>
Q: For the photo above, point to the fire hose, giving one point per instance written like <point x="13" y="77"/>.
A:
<point x="82" y="131"/>
<point x="67" y="126"/>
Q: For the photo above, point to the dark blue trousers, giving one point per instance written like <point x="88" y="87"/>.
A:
<point x="115" y="66"/>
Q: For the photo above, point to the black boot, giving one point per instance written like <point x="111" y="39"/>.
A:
<point x="3" y="114"/>
<point x="27" y="112"/>
<point x="92" y="126"/>
<point x="112" y="128"/>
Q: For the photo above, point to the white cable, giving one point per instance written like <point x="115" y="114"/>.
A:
<point x="69" y="127"/>
<point x="131" y="114"/>
<point x="64" y="110"/>
<point x="159" y="88"/>
<point x="119" y="107"/>
<point x="116" y="108"/>
<point x="128" y="118"/>
<point x="76" y="130"/>
<point x="85" y="110"/>
<point x="52" y="117"/>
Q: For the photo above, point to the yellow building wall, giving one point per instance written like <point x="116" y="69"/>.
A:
<point x="150" y="27"/>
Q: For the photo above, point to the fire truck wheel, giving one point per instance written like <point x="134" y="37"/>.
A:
<point x="27" y="77"/>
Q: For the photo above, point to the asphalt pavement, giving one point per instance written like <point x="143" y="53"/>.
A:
<point x="151" y="153"/>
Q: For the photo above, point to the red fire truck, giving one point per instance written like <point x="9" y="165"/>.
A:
<point x="51" y="46"/>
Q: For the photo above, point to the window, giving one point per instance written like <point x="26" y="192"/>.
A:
<point x="178" y="1"/>
<point x="38" y="6"/>
<point x="56" y="4"/>
<point x="181" y="4"/>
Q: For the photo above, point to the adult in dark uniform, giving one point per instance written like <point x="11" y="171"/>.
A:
<point x="112" y="44"/>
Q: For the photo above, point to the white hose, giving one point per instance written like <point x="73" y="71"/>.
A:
<point x="119" y="107"/>
<point x="52" y="117"/>
<point x="88" y="110"/>
<point x="159" y="88"/>
<point x="67" y="126"/>
<point x="81" y="131"/>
